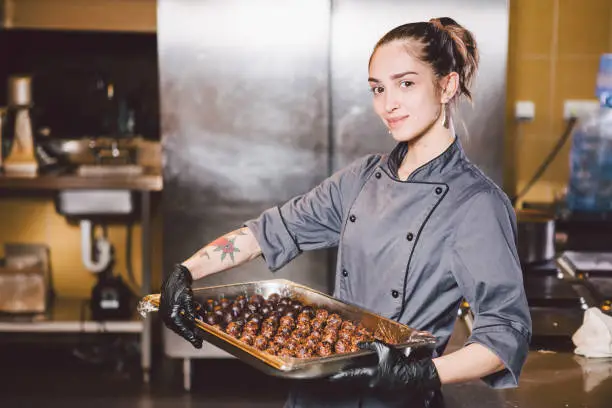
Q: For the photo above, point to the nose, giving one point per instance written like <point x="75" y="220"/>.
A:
<point x="391" y="102"/>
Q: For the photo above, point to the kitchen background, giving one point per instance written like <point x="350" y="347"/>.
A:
<point x="76" y="48"/>
<point x="554" y="52"/>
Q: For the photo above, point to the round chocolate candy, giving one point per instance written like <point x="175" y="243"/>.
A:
<point x="298" y="335"/>
<point x="357" y="338"/>
<point x="291" y="344"/>
<point x="297" y="308"/>
<point x="342" y="346"/>
<point x="317" y="324"/>
<point x="274" y="298"/>
<point x="234" y="329"/>
<point x="268" y="332"/>
<point x="280" y="339"/>
<point x="210" y="304"/>
<point x="236" y="310"/>
<point x="251" y="330"/>
<point x="218" y="310"/>
<point x="224" y="302"/>
<point x="316" y="334"/>
<point x="227" y="317"/>
<point x="330" y="336"/>
<point x="345" y="335"/>
<point x="304" y="352"/>
<point x="260" y="342"/>
<point x="212" y="319"/>
<point x="285" y="352"/>
<point x="308" y="311"/>
<point x="271" y="322"/>
<point x="324" y="349"/>
<point x="284" y="330"/>
<point x="256" y="299"/>
<point x="273" y="349"/>
<point x="309" y="342"/>
<point x="246" y="314"/>
<point x="287" y="321"/>
<point x="291" y="313"/>
<point x="303" y="327"/>
<point x="252" y="307"/>
<point x="303" y="318"/>
<point x="286" y="301"/>
<point x="247" y="338"/>
<point x="282" y="309"/>
<point x="265" y="310"/>
<point x="363" y="331"/>
<point x="256" y="317"/>
<point x="334" y="319"/>
<point x="347" y="325"/>
<point x="322" y="314"/>
<point x="241" y="300"/>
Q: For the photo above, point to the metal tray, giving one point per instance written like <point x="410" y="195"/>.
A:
<point x="403" y="337"/>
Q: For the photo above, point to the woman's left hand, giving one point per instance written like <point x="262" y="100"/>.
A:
<point x="394" y="370"/>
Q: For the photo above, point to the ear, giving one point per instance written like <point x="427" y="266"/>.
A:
<point x="450" y="86"/>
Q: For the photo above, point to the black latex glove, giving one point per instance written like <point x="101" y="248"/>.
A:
<point x="176" y="305"/>
<point x="394" y="370"/>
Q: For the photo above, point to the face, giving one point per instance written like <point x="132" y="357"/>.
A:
<point x="403" y="91"/>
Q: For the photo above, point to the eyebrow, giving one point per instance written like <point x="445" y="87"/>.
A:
<point x="395" y="76"/>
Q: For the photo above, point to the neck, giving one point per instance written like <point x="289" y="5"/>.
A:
<point x="426" y="147"/>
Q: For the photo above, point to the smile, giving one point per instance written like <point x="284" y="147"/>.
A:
<point x="393" y="123"/>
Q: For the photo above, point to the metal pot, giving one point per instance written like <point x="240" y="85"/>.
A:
<point x="536" y="237"/>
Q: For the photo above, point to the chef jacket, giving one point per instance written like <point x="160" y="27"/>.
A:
<point x="412" y="250"/>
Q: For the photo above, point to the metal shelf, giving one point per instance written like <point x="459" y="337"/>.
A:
<point x="64" y="316"/>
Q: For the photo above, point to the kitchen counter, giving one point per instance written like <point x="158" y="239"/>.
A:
<point x="149" y="180"/>
<point x="558" y="379"/>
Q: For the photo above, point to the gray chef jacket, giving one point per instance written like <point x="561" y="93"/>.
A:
<point x="412" y="250"/>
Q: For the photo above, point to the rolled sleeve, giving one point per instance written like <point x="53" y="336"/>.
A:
<point x="310" y="221"/>
<point x="487" y="269"/>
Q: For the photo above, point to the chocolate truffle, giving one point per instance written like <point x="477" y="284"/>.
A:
<point x="285" y="352"/>
<point x="322" y="314"/>
<point x="324" y="349"/>
<point x="334" y="319"/>
<point x="284" y="330"/>
<point x="212" y="319"/>
<point x="287" y="321"/>
<point x="345" y="335"/>
<point x="233" y="329"/>
<point x="285" y="301"/>
<point x="253" y="307"/>
<point x="247" y="338"/>
<point x="297" y="308"/>
<point x="241" y="300"/>
<point x="317" y="324"/>
<point x="330" y="336"/>
<point x="210" y="304"/>
<point x="280" y="339"/>
<point x="260" y="343"/>
<point x="255" y="317"/>
<point x="303" y="327"/>
<point x="304" y="352"/>
<point x="224" y="302"/>
<point x="274" y="298"/>
<point x="347" y="325"/>
<point x="309" y="311"/>
<point x="256" y="299"/>
<point x="268" y="332"/>
<point x="236" y="310"/>
<point x="273" y="349"/>
<point x="342" y="346"/>
<point x="310" y="342"/>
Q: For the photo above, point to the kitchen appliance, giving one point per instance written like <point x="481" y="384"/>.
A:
<point x="403" y="337"/>
<point x="536" y="236"/>
<point x="260" y="101"/>
<point x="21" y="160"/>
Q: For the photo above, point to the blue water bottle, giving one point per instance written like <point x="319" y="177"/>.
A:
<point x="604" y="81"/>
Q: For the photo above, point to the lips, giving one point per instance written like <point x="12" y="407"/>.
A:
<point x="395" y="122"/>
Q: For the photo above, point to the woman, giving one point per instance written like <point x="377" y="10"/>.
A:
<point x="417" y="230"/>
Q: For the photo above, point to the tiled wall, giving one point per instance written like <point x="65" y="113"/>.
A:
<point x="554" y="52"/>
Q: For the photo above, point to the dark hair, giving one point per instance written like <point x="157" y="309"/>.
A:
<point x="446" y="46"/>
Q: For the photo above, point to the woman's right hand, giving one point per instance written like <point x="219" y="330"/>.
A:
<point x="177" y="306"/>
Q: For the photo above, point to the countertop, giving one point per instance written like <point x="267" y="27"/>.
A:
<point x="149" y="180"/>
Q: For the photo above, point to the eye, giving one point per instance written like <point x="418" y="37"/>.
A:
<point x="406" y="84"/>
<point x="376" y="90"/>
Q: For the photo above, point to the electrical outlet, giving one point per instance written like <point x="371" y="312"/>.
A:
<point x="524" y="110"/>
<point x="576" y="108"/>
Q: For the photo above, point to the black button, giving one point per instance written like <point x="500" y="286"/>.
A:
<point x="395" y="293"/>
<point x="344" y="273"/>
<point x="410" y="237"/>
<point x="352" y="218"/>
<point x="438" y="190"/>
<point x="377" y="175"/>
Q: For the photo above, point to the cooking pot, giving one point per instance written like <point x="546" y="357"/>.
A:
<point x="536" y="237"/>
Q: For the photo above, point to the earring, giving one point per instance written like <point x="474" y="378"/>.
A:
<point x="445" y="117"/>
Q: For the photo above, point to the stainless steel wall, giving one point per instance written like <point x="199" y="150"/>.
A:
<point x="261" y="100"/>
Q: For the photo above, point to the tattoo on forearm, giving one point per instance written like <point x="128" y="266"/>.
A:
<point x="226" y="246"/>
<point x="204" y="253"/>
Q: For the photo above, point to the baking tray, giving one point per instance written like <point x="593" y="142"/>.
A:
<point x="402" y="336"/>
